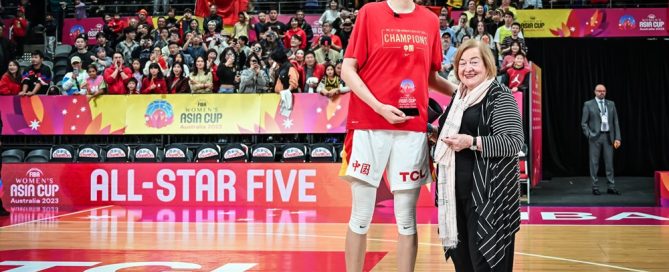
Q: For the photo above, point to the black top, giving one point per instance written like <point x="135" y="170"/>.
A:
<point x="226" y="75"/>
<point x="464" y="160"/>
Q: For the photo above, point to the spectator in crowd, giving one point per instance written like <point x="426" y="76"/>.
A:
<point x="243" y="42"/>
<point x="518" y="74"/>
<point x="154" y="83"/>
<point x="345" y="33"/>
<point x="272" y="42"/>
<point x="313" y="72"/>
<point x="117" y="75"/>
<point x="343" y="15"/>
<point x="227" y="72"/>
<point x="86" y="57"/>
<point x="239" y="54"/>
<point x="95" y="83"/>
<point x="50" y="27"/>
<point x="156" y="58"/>
<point x="344" y="88"/>
<point x="195" y="48"/>
<point x="325" y="54"/>
<point x="514" y="37"/>
<point x="445" y="27"/>
<point x="180" y="57"/>
<point x="20" y="29"/>
<point x="335" y="41"/>
<point x="213" y="64"/>
<point x="174" y="39"/>
<point x="490" y="5"/>
<point x="213" y="16"/>
<point x="217" y="43"/>
<point x="194" y="28"/>
<point x="275" y="25"/>
<point x="102" y="42"/>
<point x="485" y="37"/>
<point x="201" y="80"/>
<point x="137" y="72"/>
<point x="178" y="80"/>
<point x="294" y="44"/>
<point x="480" y="16"/>
<point x="462" y="29"/>
<point x="254" y="79"/>
<point x="259" y="51"/>
<point x="210" y="32"/>
<point x="7" y="50"/>
<point x="10" y="84"/>
<point x="79" y="9"/>
<point x="261" y="26"/>
<point x="283" y="74"/>
<point x="449" y="54"/>
<point x="143" y="52"/>
<point x="242" y="27"/>
<point x="330" y="15"/>
<point x="74" y="82"/>
<point x="465" y="38"/>
<point x="171" y="17"/>
<point x="127" y="46"/>
<point x="143" y="19"/>
<point x="299" y="15"/>
<point x="37" y="79"/>
<point x="132" y="86"/>
<point x="506" y="7"/>
<point x="292" y="33"/>
<point x="496" y="20"/>
<point x="185" y="21"/>
<point x="503" y="32"/>
<point x="161" y="23"/>
<point x="160" y="6"/>
<point x="163" y="38"/>
<point x="471" y="11"/>
<point x="331" y="84"/>
<point x="117" y="25"/>
<point x="143" y="32"/>
<point x="510" y="59"/>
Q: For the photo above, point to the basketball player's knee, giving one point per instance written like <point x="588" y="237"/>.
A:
<point x="405" y="211"/>
<point x="364" y="198"/>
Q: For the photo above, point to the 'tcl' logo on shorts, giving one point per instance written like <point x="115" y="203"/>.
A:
<point x="414" y="175"/>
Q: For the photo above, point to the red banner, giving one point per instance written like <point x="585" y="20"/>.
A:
<point x="276" y="185"/>
<point x="536" y="150"/>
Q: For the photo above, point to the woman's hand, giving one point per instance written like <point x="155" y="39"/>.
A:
<point x="458" y="142"/>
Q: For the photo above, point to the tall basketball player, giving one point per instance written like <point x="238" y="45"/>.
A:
<point x="393" y="56"/>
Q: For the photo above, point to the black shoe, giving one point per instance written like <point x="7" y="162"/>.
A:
<point x="596" y="192"/>
<point x="613" y="192"/>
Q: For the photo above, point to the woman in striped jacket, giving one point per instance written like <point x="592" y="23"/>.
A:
<point x="478" y="191"/>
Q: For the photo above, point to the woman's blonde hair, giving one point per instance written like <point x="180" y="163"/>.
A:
<point x="486" y="55"/>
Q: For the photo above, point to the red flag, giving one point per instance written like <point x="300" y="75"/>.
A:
<point x="228" y="9"/>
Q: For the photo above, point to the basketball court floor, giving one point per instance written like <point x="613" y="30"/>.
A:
<point x="115" y="238"/>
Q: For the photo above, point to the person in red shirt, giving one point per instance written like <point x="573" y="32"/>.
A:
<point x="19" y="29"/>
<point x="10" y="84"/>
<point x="327" y="32"/>
<point x="393" y="56"/>
<point x="154" y="83"/>
<point x="117" y="25"/>
<point x="519" y="75"/>
<point x="141" y="17"/>
<point x="295" y="30"/>
<point x="116" y="76"/>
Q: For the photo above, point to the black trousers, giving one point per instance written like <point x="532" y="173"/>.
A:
<point x="466" y="256"/>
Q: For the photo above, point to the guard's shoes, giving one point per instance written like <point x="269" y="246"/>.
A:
<point x="613" y="192"/>
<point x="596" y="192"/>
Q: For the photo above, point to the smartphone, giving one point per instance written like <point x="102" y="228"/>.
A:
<point x="410" y="111"/>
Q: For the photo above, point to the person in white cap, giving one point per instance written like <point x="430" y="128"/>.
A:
<point x="73" y="82"/>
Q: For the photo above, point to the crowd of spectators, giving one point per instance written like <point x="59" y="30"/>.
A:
<point x="134" y="56"/>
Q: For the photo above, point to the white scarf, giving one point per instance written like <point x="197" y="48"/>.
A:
<point x="444" y="155"/>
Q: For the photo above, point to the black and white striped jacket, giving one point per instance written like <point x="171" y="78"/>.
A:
<point x="496" y="187"/>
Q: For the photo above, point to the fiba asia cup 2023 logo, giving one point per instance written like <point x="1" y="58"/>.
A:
<point x="627" y="22"/>
<point x="159" y="114"/>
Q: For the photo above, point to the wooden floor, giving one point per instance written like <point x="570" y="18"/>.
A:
<point x="290" y="242"/>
